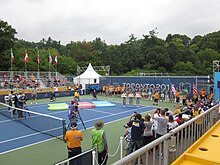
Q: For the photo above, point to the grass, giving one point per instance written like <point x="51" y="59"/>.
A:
<point x="52" y="151"/>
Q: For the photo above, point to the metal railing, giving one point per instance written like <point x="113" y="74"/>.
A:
<point x="164" y="150"/>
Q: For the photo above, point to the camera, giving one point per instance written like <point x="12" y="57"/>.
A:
<point x="125" y="126"/>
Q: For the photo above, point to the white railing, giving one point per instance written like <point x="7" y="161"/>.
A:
<point x="164" y="150"/>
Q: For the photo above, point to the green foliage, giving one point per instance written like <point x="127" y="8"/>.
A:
<point x="177" y="55"/>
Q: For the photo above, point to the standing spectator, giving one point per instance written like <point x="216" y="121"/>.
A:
<point x="15" y="101"/>
<point x="161" y="123"/>
<point x="94" y="94"/>
<point x="156" y="97"/>
<point x="10" y="99"/>
<point x="138" y="97"/>
<point x="73" y="112"/>
<point x="131" y="99"/>
<point x="34" y="95"/>
<point x="124" y="96"/>
<point x="148" y="133"/>
<point x="20" y="104"/>
<point x="99" y="139"/>
<point x="74" y="138"/>
<point x="76" y="95"/>
<point x="177" y="96"/>
<point x="137" y="128"/>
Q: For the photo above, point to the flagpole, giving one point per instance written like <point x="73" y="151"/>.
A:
<point x="11" y="64"/>
<point x="49" y="66"/>
<point x="38" y="73"/>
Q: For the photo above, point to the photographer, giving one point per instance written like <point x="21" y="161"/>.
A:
<point x="137" y="128"/>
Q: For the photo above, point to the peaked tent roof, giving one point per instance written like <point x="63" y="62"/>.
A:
<point x="89" y="73"/>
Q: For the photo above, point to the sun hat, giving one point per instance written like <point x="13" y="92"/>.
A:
<point x="99" y="124"/>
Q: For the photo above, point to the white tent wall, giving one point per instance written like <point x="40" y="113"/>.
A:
<point x="90" y="76"/>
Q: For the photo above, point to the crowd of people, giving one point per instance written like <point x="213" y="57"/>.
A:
<point x="22" y="82"/>
<point x="140" y="131"/>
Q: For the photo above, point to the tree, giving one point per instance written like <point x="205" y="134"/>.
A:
<point x="7" y="36"/>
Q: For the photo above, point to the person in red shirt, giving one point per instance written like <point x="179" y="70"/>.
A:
<point x="74" y="138"/>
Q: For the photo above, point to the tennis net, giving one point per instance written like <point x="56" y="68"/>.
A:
<point x="43" y="123"/>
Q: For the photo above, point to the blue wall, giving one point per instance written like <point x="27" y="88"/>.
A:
<point x="161" y="83"/>
<point x="216" y="89"/>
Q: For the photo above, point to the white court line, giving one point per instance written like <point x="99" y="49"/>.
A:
<point x="55" y="138"/>
<point x="110" y="114"/>
<point x="98" y="111"/>
<point x="37" y="133"/>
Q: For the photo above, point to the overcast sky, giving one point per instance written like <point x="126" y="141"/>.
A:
<point x="111" y="20"/>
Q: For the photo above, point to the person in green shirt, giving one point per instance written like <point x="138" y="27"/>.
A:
<point x="99" y="140"/>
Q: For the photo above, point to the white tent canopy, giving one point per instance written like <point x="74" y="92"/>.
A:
<point x="90" y="76"/>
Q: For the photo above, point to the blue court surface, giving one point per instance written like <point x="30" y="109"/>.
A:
<point x="15" y="135"/>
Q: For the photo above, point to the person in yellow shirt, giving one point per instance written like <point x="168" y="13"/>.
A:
<point x="197" y="111"/>
<point x="73" y="138"/>
<point x="156" y="97"/>
<point x="195" y="97"/>
<point x="177" y="96"/>
<point x="76" y="95"/>
<point x="184" y="99"/>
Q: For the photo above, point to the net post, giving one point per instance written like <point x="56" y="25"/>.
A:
<point x="64" y="129"/>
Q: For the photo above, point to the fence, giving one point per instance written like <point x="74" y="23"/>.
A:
<point x="166" y="149"/>
<point x="83" y="158"/>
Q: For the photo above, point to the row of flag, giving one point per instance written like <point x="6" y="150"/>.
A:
<point x="38" y="57"/>
<point x="195" y="90"/>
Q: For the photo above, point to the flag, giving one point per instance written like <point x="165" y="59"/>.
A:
<point x="50" y="59"/>
<point x="25" y="56"/>
<point x="12" y="57"/>
<point x="56" y="60"/>
<point x="38" y="58"/>
<point x="195" y="90"/>
<point x="173" y="89"/>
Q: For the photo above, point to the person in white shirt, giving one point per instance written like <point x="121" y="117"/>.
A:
<point x="171" y="123"/>
<point x="124" y="96"/>
<point x="138" y="97"/>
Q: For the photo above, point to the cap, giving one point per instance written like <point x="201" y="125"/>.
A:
<point x="72" y="102"/>
<point x="73" y="125"/>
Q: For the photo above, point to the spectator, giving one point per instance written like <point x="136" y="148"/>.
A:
<point x="73" y="112"/>
<point x="124" y="96"/>
<point x="131" y="99"/>
<point x="168" y="112"/>
<point x="94" y="94"/>
<point x="137" y="128"/>
<point x="99" y="139"/>
<point x="76" y="95"/>
<point x="138" y="97"/>
<point x="148" y="133"/>
<point x="161" y="123"/>
<point x="10" y="99"/>
<point x="74" y="138"/>
<point x="20" y="104"/>
<point x="156" y="97"/>
<point x="171" y="123"/>
<point x="34" y="95"/>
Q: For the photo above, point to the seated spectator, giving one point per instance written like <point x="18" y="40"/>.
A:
<point x="171" y="123"/>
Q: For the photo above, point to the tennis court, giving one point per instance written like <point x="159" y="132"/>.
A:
<point x="16" y="136"/>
